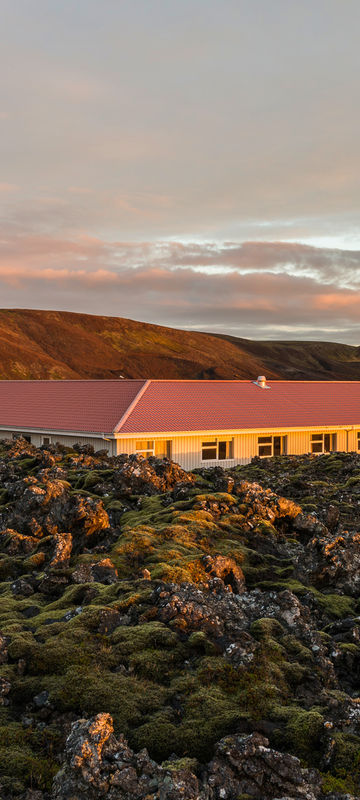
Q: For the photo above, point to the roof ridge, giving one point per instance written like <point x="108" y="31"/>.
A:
<point x="131" y="407"/>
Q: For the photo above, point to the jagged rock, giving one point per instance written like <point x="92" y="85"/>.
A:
<point x="146" y="574"/>
<point x="22" y="587"/>
<point x="227" y="570"/>
<point x="247" y="765"/>
<point x="82" y="574"/>
<point x="53" y="584"/>
<point x="104" y="571"/>
<point x="265" y="503"/>
<point x="109" y="619"/>
<point x="41" y="699"/>
<point x="34" y="794"/>
<point x="193" y="652"/>
<point x="63" y="548"/>
<point x="98" y="766"/>
<point x="90" y="515"/>
<point x="334" y="561"/>
<point x="5" y="688"/>
<point x="138" y="475"/>
<point x="13" y="542"/>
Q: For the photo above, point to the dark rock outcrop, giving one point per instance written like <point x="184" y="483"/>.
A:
<point x="100" y="766"/>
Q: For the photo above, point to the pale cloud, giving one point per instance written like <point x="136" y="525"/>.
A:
<point x="8" y="187"/>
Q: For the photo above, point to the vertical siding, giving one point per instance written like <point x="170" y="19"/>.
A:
<point x="186" y="450"/>
<point x="300" y="441"/>
<point x="69" y="441"/>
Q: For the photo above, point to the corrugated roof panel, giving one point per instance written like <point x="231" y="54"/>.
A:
<point x="89" y="406"/>
<point x="232" y="405"/>
<point x="160" y="405"/>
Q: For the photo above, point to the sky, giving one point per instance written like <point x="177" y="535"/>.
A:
<point x="192" y="163"/>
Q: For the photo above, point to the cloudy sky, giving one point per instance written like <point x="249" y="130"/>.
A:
<point x="194" y="163"/>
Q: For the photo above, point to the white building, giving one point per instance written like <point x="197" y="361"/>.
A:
<point x="196" y="423"/>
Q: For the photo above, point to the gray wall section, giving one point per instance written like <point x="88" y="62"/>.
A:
<point x="37" y="439"/>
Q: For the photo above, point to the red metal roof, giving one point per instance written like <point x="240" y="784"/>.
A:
<point x="140" y="407"/>
<point x="232" y="405"/>
<point x="81" y="406"/>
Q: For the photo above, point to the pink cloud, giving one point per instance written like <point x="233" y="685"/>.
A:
<point x="266" y="286"/>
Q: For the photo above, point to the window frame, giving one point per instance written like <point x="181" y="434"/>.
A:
<point x="268" y="441"/>
<point x="150" y="451"/>
<point x="213" y="444"/>
<point x="319" y="439"/>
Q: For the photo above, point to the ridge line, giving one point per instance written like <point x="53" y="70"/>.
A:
<point x="131" y="407"/>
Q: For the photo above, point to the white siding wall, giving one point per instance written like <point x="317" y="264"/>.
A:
<point x="186" y="450"/>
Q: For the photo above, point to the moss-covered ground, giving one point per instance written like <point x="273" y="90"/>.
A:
<point x="74" y="645"/>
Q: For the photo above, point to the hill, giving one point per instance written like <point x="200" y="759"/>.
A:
<point x="65" y="345"/>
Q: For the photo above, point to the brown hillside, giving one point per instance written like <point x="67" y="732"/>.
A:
<point x="58" y="345"/>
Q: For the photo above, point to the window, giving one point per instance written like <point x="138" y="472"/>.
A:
<point x="323" y="442"/>
<point x="217" y="450"/>
<point x="209" y="451"/>
<point x="145" y="447"/>
<point x="358" y="440"/>
<point x="272" y="446"/>
<point x="317" y="443"/>
<point x="161" y="448"/>
<point x="46" y="440"/>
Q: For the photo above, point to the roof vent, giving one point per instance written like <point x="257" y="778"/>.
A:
<point x="261" y="382"/>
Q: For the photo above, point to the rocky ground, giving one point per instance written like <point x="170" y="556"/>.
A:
<point x="168" y="635"/>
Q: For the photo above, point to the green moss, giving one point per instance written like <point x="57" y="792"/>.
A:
<point x="349" y="647"/>
<point x="300" y="732"/>
<point x="208" y="715"/>
<point x="353" y="481"/>
<point x="335" y="605"/>
<point x="297" y="649"/>
<point x="198" y="641"/>
<point x="188" y="764"/>
<point x="25" y="757"/>
<point x="267" y="626"/>
<point x="346" y="760"/>
<point x="92" y="689"/>
<point x="332" y="785"/>
<point x="140" y="637"/>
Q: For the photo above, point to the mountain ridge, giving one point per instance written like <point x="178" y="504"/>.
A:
<point x="36" y="344"/>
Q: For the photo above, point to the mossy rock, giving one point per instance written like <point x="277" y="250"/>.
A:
<point x="301" y="732"/>
<point x="199" y="642"/>
<point x="265" y="627"/>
